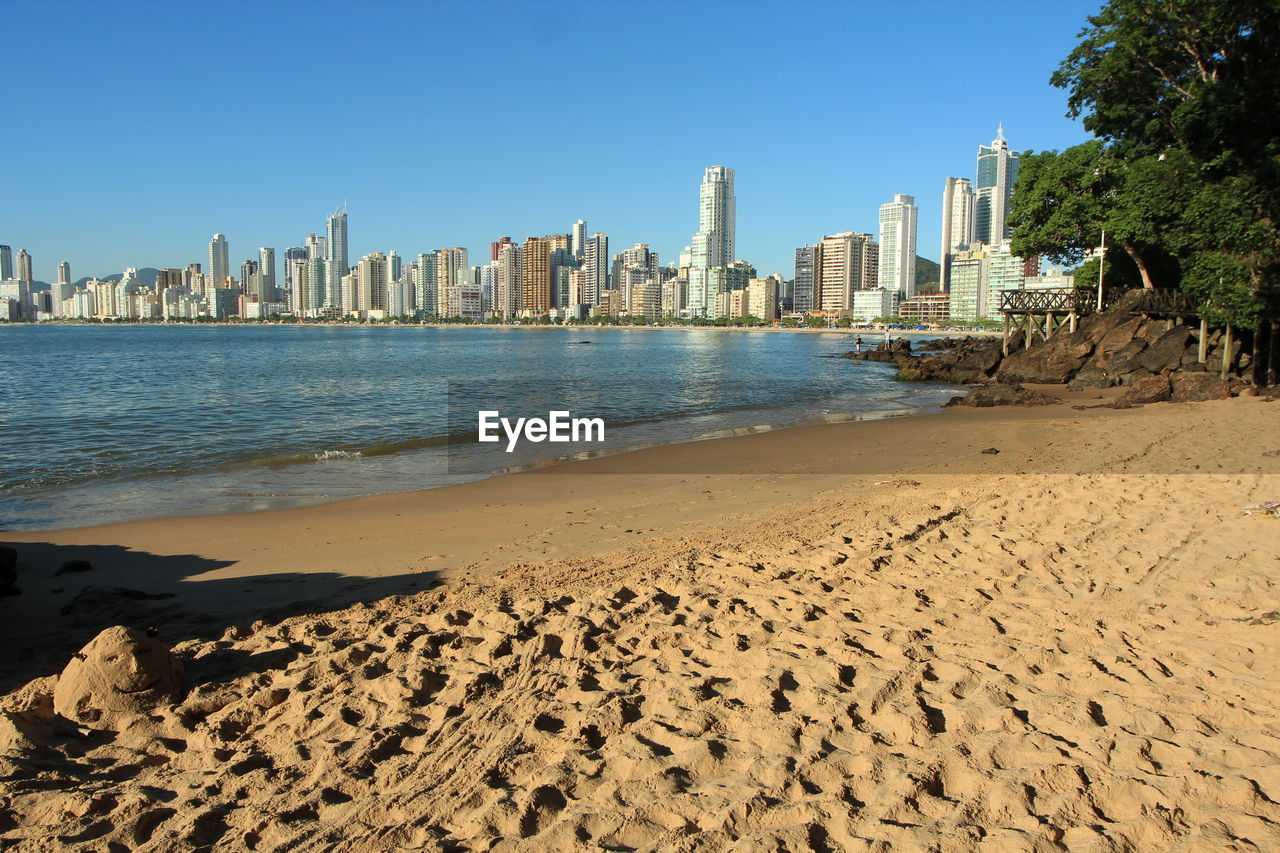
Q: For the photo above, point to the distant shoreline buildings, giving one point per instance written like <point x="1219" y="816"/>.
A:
<point x="571" y="276"/>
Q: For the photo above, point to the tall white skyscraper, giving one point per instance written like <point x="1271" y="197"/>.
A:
<point x="997" y="173"/>
<point x="957" y="224"/>
<point x="267" y="266"/>
<point x="713" y="244"/>
<point x="219" y="262"/>
<point x="578" y="238"/>
<point x="64" y="273"/>
<point x="336" y="260"/>
<point x="898" y="245"/>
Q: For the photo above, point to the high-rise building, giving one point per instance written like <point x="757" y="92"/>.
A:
<point x="595" y="268"/>
<point x="335" y="246"/>
<point x="844" y="263"/>
<point x="507" y="287"/>
<point x="805" y="278"/>
<point x="267" y="266"/>
<point x="713" y="244"/>
<point x="295" y="258"/>
<point x="957" y="225"/>
<point x="64" y="272"/>
<point x="898" y="245"/>
<point x="25" y="267"/>
<point x="169" y="277"/>
<point x="452" y="268"/>
<point x="535" y="276"/>
<point x="496" y="245"/>
<point x="219" y="262"/>
<point x="316" y="247"/>
<point x="313" y="290"/>
<point x="371" y="284"/>
<point x="578" y="239"/>
<point x="6" y="263"/>
<point x="997" y="173"/>
<point x="426" y="289"/>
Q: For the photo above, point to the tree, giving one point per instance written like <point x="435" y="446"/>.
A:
<point x="1066" y="200"/>
<point x="1181" y="93"/>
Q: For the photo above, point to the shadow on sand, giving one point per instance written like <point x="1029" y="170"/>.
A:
<point x="54" y="615"/>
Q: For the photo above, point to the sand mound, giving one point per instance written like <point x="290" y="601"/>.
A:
<point x="121" y="672"/>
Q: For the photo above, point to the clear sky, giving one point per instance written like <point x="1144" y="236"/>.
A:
<point x="135" y="130"/>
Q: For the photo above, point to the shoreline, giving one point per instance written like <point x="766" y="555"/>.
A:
<point x="392" y="542"/>
<point x="936" y="333"/>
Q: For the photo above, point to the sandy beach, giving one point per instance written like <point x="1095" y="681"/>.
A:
<point x="843" y="637"/>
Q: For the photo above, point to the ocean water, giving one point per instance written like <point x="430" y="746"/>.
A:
<point x="110" y="423"/>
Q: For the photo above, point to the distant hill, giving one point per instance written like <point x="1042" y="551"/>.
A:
<point x="146" y="275"/>
<point x="927" y="272"/>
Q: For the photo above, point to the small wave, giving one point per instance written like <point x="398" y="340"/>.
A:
<point x="325" y="455"/>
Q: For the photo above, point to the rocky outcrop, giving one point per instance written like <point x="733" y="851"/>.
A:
<point x="1153" y="359"/>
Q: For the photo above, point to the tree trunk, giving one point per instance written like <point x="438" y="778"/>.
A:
<point x="1147" y="284"/>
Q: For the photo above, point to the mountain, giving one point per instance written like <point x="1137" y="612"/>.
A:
<point x="146" y="275"/>
<point x="926" y="272"/>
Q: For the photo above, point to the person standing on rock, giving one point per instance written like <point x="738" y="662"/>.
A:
<point x="858" y="343"/>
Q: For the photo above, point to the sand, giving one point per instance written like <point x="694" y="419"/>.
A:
<point x="857" y="636"/>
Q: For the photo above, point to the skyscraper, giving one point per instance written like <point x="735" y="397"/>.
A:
<point x="426" y="288"/>
<point x="372" y="278"/>
<point x="267" y="266"/>
<point x="6" y="263"/>
<point x="64" y="272"/>
<point x="713" y="244"/>
<point x="957" y="225"/>
<point x="578" y="239"/>
<point x="595" y="268"/>
<point x="804" y="279"/>
<point x="997" y="173"/>
<point x="336" y="260"/>
<point x="507" y="289"/>
<point x="24" y="267"/>
<point x="844" y="263"/>
<point x="535" y="276"/>
<point x="219" y="262"/>
<point x="898" y="245"/>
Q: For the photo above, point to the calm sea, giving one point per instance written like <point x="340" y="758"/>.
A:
<point x="103" y="424"/>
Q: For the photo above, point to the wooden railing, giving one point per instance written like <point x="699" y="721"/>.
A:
<point x="1059" y="300"/>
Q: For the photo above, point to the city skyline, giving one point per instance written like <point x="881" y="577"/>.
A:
<point x="108" y="200"/>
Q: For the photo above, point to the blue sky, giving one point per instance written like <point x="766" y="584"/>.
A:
<point x="136" y="130"/>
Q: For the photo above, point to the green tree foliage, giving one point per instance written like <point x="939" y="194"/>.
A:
<point x="1185" y="172"/>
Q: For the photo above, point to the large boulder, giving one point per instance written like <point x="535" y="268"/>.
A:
<point x="119" y="674"/>
<point x="1091" y="377"/>
<point x="1196" y="387"/>
<point x="1167" y="352"/>
<point x="1053" y="361"/>
<point x="1117" y="360"/>
<point x="1150" y="389"/>
<point x="1000" y="394"/>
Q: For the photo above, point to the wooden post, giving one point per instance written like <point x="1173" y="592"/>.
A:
<point x="1026" y="330"/>
<point x="1048" y="324"/>
<point x="1005" y="342"/>
<point x="1226" y="352"/>
<point x="1071" y="321"/>
<point x="1203" y="352"/>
